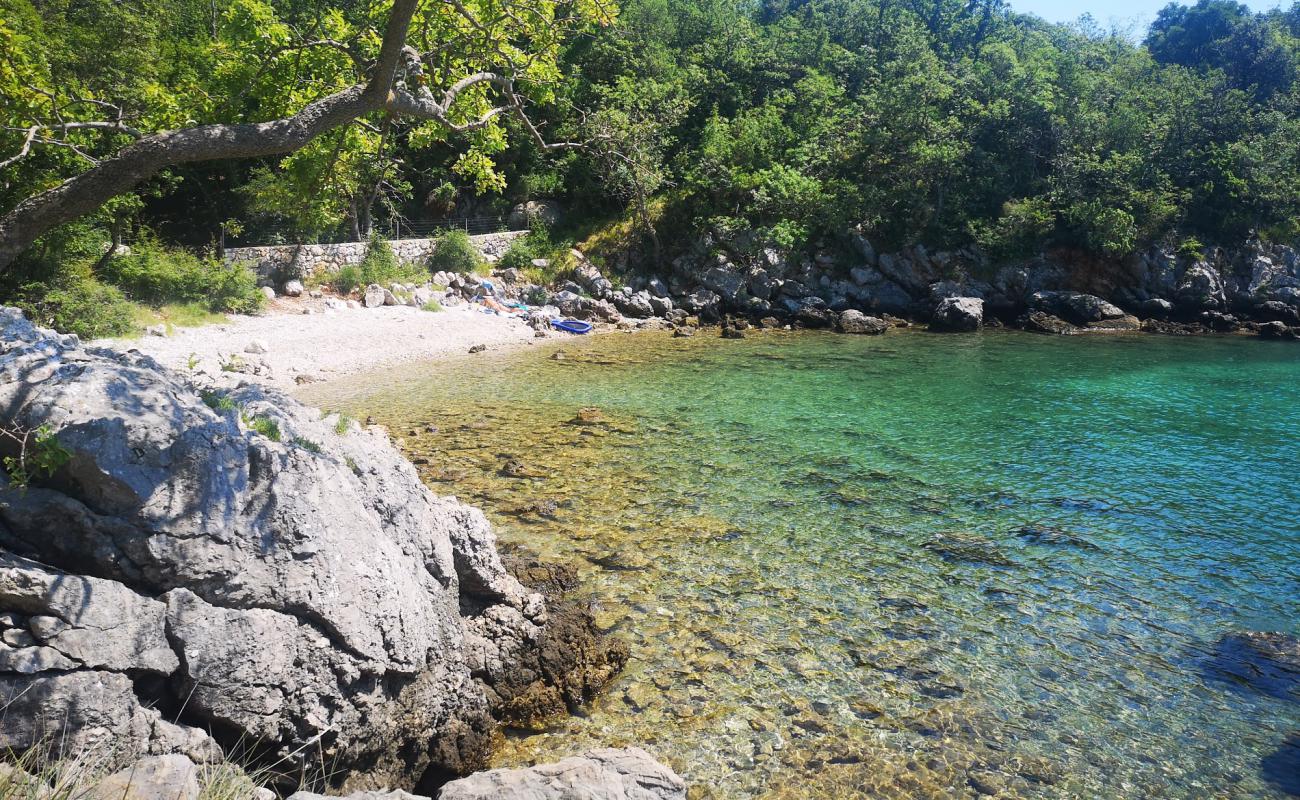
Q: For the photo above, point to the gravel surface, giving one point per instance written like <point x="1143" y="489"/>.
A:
<point x="303" y="348"/>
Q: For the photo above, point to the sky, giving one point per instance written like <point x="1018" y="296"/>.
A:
<point x="1104" y="11"/>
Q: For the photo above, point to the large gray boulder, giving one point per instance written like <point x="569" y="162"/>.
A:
<point x="589" y="277"/>
<point x="854" y="321"/>
<point x="609" y="774"/>
<point x="297" y="587"/>
<point x="638" y="305"/>
<point x="1200" y="289"/>
<point x="1075" y="307"/>
<point x="726" y="282"/>
<point x="958" y="314"/>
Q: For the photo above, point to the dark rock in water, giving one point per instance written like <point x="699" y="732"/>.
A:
<point x="1276" y="311"/>
<point x="514" y="468"/>
<point x="1055" y="537"/>
<point x="769" y="322"/>
<point x="958" y="314"/>
<point x="1218" y="321"/>
<point x="1267" y="662"/>
<point x="968" y="547"/>
<point x="1282" y="768"/>
<point x="536" y="508"/>
<point x="568" y="666"/>
<point x="1169" y="328"/>
<point x="1278" y="330"/>
<point x="728" y="332"/>
<point x="683" y="332"/>
<point x="1041" y="322"/>
<point x="478" y="348"/>
<point x="620" y="562"/>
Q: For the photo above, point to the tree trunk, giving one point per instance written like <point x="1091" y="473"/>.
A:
<point x="136" y="162"/>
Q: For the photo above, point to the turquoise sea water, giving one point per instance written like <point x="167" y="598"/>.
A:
<point x="903" y="566"/>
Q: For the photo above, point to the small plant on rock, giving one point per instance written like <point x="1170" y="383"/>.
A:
<point x="265" y="426"/>
<point x="39" y="454"/>
<point x="217" y="401"/>
<point x="307" y="444"/>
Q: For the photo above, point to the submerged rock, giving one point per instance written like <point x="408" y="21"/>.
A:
<point x="608" y="774"/>
<point x="1266" y="661"/>
<point x="968" y="547"/>
<point x="288" y="584"/>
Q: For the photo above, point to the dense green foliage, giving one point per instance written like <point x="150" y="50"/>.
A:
<point x="380" y="265"/>
<point x="783" y="123"/>
<point x="947" y="122"/>
<point x="454" y="252"/>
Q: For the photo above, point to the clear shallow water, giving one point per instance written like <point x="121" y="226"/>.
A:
<point x="814" y="546"/>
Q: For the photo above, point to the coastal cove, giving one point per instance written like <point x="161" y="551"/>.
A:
<point x="910" y="565"/>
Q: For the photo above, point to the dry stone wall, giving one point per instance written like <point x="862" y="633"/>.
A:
<point x="293" y="260"/>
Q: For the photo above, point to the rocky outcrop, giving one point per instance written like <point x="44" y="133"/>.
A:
<point x="609" y="774"/>
<point x="1075" y="307"/>
<point x="227" y="561"/>
<point x="958" y="314"/>
<point x="853" y="321"/>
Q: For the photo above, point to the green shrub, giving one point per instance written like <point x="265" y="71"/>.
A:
<point x="218" y="401"/>
<point x="380" y="266"/>
<point x="234" y="289"/>
<point x="520" y="254"/>
<point x="266" y="427"/>
<point x="347" y="278"/>
<point x="432" y="305"/>
<point x="154" y="274"/>
<point x="79" y="304"/>
<point x="454" y="252"/>
<point x="307" y="444"/>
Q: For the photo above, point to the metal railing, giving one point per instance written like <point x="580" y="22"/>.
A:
<point x="389" y="229"/>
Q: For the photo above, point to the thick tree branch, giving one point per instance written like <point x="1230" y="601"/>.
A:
<point x="141" y="159"/>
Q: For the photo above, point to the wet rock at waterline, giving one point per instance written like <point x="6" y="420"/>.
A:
<point x="852" y="321"/>
<point x="271" y="580"/>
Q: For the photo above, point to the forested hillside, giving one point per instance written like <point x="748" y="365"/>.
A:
<point x="947" y="122"/>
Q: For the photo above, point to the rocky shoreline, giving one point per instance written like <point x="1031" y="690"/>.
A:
<point x="189" y="566"/>
<point x="1253" y="289"/>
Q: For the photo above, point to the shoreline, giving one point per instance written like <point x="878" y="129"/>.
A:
<point x="301" y="341"/>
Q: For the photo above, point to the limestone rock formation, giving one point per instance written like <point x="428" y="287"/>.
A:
<point x="852" y="321"/>
<point x="958" y="314"/>
<point x="608" y="774"/>
<point x="228" y="561"/>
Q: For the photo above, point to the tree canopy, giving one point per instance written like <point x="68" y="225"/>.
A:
<point x="949" y="122"/>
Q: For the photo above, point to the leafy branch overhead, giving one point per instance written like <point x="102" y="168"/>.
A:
<point x="253" y="80"/>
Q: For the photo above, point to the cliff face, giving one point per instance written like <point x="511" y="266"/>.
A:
<point x="228" y="566"/>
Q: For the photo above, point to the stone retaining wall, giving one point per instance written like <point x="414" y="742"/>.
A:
<point x="292" y="260"/>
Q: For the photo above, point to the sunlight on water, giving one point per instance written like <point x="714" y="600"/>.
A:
<point x="901" y="566"/>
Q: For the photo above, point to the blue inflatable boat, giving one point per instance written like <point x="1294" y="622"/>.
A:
<point x="571" y="325"/>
